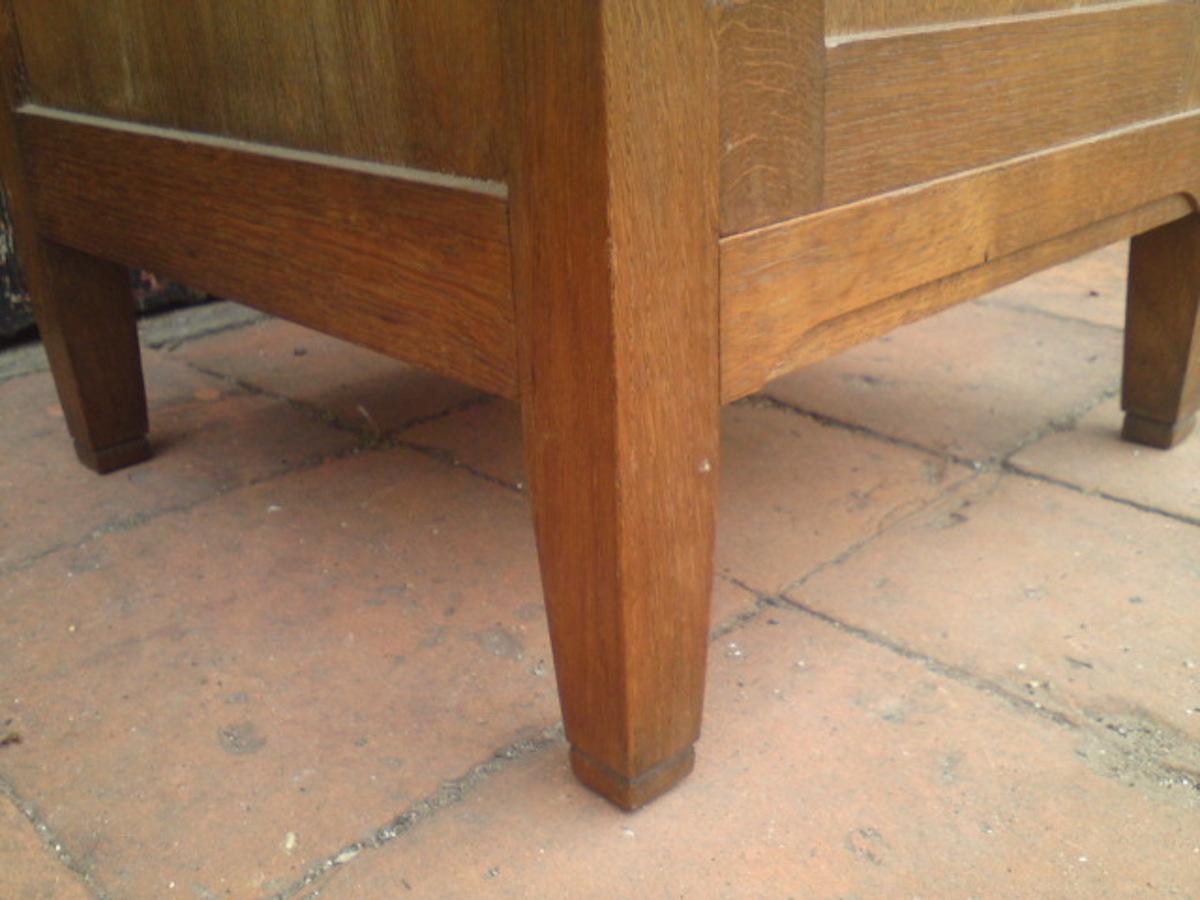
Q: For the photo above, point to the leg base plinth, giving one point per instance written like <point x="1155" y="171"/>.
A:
<point x="104" y="460"/>
<point x="1161" y="435"/>
<point x="628" y="793"/>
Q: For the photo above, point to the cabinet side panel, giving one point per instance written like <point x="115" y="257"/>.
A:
<point x="910" y="107"/>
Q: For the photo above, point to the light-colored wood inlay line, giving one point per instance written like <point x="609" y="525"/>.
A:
<point x="855" y="37"/>
<point x="363" y="166"/>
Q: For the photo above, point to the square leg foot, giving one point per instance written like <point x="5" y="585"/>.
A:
<point x="1161" y="435"/>
<point x="632" y="793"/>
<point x="119" y="456"/>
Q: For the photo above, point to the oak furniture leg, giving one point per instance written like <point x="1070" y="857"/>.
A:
<point x="88" y="323"/>
<point x="1161" y="391"/>
<point x="614" y="226"/>
<point x="83" y="305"/>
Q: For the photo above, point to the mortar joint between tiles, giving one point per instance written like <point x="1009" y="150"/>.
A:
<point x="450" y="793"/>
<point x="768" y="401"/>
<point x="454" y="791"/>
<point x="1124" y="757"/>
<point x="1015" y="469"/>
<point x="1068" y="421"/>
<point x="53" y="843"/>
<point x="171" y="344"/>
<point x="1049" y="314"/>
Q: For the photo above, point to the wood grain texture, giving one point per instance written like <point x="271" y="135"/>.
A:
<point x="1192" y="78"/>
<point x="905" y="109"/>
<point x="877" y="319"/>
<point x="779" y="283"/>
<point x="615" y="222"/>
<point x="1161" y="390"/>
<point x="409" y="83"/>
<point x="772" y="57"/>
<point x="87" y="321"/>
<point x="415" y="269"/>
<point x="85" y="311"/>
<point x="846" y="17"/>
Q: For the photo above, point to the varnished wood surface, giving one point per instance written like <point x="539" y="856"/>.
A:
<point x="409" y="83"/>
<point x="615" y="223"/>
<point x="853" y="16"/>
<point x="85" y="311"/>
<point x="1161" y="389"/>
<point x="599" y="288"/>
<point x="905" y="109"/>
<point x="414" y="269"/>
<point x="772" y="111"/>
<point x="416" y="84"/>
<point x="779" y="283"/>
<point x="866" y="323"/>
<point x="87" y="321"/>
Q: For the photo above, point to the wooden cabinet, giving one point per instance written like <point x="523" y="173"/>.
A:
<point x="622" y="213"/>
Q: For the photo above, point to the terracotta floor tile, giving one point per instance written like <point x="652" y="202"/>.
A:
<point x="1073" y="602"/>
<point x="304" y="657"/>
<point x="208" y="437"/>
<point x="1090" y="456"/>
<point x="830" y="768"/>
<point x="988" y="687"/>
<point x="796" y="494"/>
<point x="28" y="871"/>
<point x="486" y="438"/>
<point x="976" y="381"/>
<point x="361" y="388"/>
<point x="777" y="522"/>
<point x="1091" y="288"/>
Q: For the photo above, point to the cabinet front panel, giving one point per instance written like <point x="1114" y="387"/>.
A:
<point x="407" y="83"/>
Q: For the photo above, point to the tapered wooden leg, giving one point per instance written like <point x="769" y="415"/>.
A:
<point x="614" y="201"/>
<point x="84" y="308"/>
<point x="87" y="319"/>
<point x="1161" y="391"/>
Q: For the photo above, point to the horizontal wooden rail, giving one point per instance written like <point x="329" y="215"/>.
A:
<point x="425" y="260"/>
<point x="781" y="286"/>
<point x="419" y="263"/>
